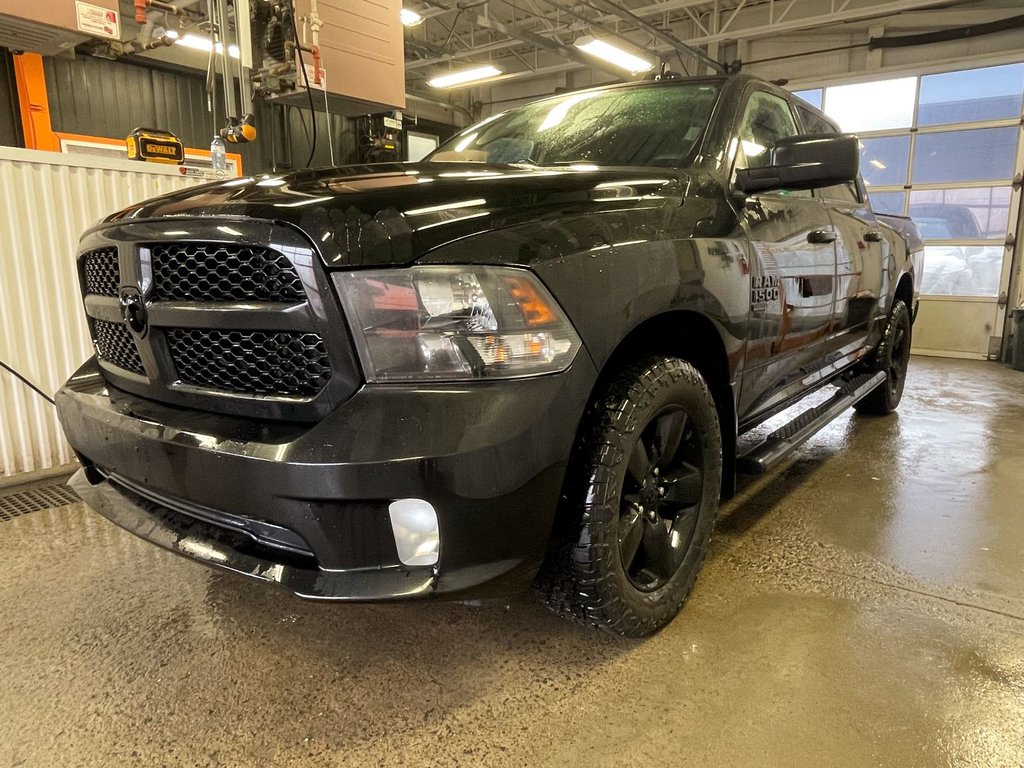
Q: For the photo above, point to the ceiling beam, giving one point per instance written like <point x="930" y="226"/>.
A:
<point x="517" y="32"/>
<point x="658" y="34"/>
<point x="754" y="21"/>
<point x="539" y="41"/>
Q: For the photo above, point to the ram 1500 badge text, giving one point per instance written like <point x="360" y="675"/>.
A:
<point x="526" y="358"/>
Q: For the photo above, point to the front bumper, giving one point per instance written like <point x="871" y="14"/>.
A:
<point x="306" y="506"/>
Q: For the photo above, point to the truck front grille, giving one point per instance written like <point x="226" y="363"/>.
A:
<point x="245" y="325"/>
<point x="223" y="272"/>
<point x="101" y="271"/>
<point x="251" y="362"/>
<point x="115" y="344"/>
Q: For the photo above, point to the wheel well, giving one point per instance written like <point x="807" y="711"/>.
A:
<point x="905" y="292"/>
<point x="694" y="338"/>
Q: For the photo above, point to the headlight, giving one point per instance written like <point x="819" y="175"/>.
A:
<point x="454" y="323"/>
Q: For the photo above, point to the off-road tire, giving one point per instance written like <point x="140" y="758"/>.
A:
<point x="583" y="576"/>
<point x="892" y="357"/>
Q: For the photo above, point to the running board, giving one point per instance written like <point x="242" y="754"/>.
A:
<point x="787" y="438"/>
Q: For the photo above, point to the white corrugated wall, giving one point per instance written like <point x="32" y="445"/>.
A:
<point x="46" y="201"/>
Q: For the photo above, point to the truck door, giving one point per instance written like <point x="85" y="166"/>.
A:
<point x="861" y="277"/>
<point x="793" y="269"/>
<point x="862" y="255"/>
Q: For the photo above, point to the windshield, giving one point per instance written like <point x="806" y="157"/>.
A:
<point x="656" y="125"/>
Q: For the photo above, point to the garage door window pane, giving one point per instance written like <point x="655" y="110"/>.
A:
<point x="878" y="106"/>
<point x="812" y="96"/>
<point x="961" y="214"/>
<point x="976" y="94"/>
<point x="884" y="161"/>
<point x="962" y="270"/>
<point x="980" y="155"/>
<point x="888" y="202"/>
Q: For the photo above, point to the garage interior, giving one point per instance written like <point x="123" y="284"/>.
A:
<point x="861" y="604"/>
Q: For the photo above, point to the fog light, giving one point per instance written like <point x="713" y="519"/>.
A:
<point x="414" y="523"/>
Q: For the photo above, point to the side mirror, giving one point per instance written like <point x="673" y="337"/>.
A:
<point x="805" y="162"/>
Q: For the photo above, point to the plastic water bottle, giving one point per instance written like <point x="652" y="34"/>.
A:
<point x="218" y="154"/>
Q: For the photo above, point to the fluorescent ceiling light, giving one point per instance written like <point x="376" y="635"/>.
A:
<point x="464" y="77"/>
<point x="409" y="18"/>
<point x="198" y="43"/>
<point x="613" y="55"/>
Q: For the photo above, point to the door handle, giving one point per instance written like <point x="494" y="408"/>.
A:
<point x="821" y="236"/>
<point x="873" y="236"/>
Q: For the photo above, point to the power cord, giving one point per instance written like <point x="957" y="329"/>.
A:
<point x="305" y="78"/>
<point x="26" y="382"/>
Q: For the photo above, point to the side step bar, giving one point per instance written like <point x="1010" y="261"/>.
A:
<point x="787" y="438"/>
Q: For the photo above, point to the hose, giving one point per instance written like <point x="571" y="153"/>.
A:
<point x="27" y="383"/>
<point x="305" y="78"/>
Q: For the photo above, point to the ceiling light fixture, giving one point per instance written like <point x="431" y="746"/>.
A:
<point x="410" y="18"/>
<point x="613" y="55"/>
<point x="464" y="77"/>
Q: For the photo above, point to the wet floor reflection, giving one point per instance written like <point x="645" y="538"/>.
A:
<point x="857" y="609"/>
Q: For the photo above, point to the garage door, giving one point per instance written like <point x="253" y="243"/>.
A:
<point x="944" y="149"/>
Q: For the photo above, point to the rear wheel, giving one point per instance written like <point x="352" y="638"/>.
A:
<point x="642" y="494"/>
<point x="892" y="357"/>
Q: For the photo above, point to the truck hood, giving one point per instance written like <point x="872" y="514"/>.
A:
<point x="394" y="213"/>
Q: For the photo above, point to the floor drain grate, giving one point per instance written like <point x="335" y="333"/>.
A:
<point x="35" y="499"/>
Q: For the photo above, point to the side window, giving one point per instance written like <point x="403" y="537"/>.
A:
<point x="766" y="119"/>
<point x="814" y="123"/>
<point x="843" y="193"/>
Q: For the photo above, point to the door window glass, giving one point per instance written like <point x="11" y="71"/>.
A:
<point x="766" y="119"/>
<point x="962" y="270"/>
<point x="877" y="106"/>
<point x="982" y="154"/>
<point x="971" y="95"/>
<point x="977" y="213"/>
<point x="814" y="123"/>
<point x="884" y="161"/>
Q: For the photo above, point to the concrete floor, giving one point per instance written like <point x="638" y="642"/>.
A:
<point x="863" y="606"/>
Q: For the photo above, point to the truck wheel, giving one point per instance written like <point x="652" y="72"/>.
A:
<point x="892" y="356"/>
<point x="641" y="497"/>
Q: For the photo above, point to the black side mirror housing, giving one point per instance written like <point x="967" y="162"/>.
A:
<point x="809" y="161"/>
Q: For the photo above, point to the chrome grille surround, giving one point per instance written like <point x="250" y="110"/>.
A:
<point x="223" y="351"/>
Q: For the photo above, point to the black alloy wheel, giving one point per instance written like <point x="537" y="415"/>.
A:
<point x="639" y="502"/>
<point x="661" y="499"/>
<point x="893" y="358"/>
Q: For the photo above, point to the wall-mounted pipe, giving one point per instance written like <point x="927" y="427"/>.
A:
<point x="945" y="35"/>
<point x="178" y="8"/>
<point x="439" y="103"/>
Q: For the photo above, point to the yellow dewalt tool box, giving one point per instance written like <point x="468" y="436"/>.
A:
<point x="155" y="146"/>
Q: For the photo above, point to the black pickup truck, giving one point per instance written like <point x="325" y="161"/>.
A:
<point x="527" y="358"/>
